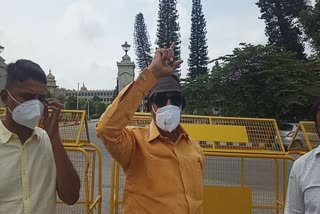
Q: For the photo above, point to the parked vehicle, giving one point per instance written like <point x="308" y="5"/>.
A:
<point x="287" y="131"/>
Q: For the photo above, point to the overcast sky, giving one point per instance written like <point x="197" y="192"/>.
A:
<point x="80" y="40"/>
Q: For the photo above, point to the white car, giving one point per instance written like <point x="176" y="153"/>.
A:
<point x="287" y="131"/>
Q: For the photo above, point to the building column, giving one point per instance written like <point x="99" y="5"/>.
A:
<point x="125" y="69"/>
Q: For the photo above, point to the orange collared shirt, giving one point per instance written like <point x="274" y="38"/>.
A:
<point x="161" y="176"/>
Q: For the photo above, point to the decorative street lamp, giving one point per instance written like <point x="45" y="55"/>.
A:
<point x="126" y="47"/>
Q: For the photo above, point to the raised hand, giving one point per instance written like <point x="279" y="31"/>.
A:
<point x="51" y="122"/>
<point x="163" y="63"/>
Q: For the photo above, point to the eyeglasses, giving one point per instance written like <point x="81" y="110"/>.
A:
<point x="161" y="99"/>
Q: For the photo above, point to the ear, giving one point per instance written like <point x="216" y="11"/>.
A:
<point x="4" y="96"/>
<point x="184" y="102"/>
<point x="149" y="107"/>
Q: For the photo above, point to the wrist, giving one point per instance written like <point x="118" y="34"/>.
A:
<point x="154" y="71"/>
<point x="55" y="138"/>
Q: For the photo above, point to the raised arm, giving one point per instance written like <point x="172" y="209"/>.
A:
<point x="111" y="127"/>
<point x="68" y="181"/>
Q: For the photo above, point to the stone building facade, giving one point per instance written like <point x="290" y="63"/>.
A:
<point x="125" y="76"/>
<point x="83" y="94"/>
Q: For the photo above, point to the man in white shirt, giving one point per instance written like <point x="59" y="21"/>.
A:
<point x="34" y="165"/>
<point x="303" y="195"/>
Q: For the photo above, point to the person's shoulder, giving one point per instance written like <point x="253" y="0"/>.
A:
<point x="196" y="145"/>
<point x="306" y="158"/>
<point x="42" y="134"/>
<point x="138" y="128"/>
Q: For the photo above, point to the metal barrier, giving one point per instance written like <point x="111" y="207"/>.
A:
<point x="87" y="159"/>
<point x="246" y="135"/>
<point x="2" y="111"/>
<point x="84" y="160"/>
<point x="73" y="128"/>
<point x="246" y="166"/>
<point x="305" y="138"/>
<point x="264" y="177"/>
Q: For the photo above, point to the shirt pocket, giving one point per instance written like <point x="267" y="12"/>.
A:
<point x="312" y="198"/>
<point x="10" y="178"/>
<point x="195" y="177"/>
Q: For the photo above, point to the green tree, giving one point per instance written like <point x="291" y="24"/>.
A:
<point x="282" y="23"/>
<point x="198" y="57"/>
<point x="204" y="93"/>
<point x="92" y="108"/>
<point x="255" y="81"/>
<point x="142" y="42"/>
<point x="263" y="81"/>
<point x="61" y="98"/>
<point x="310" y="21"/>
<point x="96" y="99"/>
<point x="71" y="102"/>
<point x="100" y="108"/>
<point x="168" y="26"/>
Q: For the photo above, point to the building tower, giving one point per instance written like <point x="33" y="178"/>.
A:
<point x="125" y="69"/>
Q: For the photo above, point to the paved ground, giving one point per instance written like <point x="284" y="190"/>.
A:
<point x="106" y="164"/>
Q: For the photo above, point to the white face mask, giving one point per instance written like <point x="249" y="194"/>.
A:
<point x="168" y="117"/>
<point x="28" y="113"/>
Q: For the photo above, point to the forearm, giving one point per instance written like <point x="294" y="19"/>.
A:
<point x="118" y="115"/>
<point x="68" y="181"/>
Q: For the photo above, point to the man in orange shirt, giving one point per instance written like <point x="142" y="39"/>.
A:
<point x="163" y="167"/>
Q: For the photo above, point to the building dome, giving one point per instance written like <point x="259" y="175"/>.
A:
<point x="50" y="76"/>
<point x="83" y="88"/>
<point x="51" y="80"/>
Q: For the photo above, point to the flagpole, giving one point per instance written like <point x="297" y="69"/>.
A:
<point x="78" y="97"/>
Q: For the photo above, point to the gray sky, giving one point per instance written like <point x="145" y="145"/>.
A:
<point x="80" y="40"/>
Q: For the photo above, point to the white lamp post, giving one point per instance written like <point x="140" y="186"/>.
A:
<point x="126" y="47"/>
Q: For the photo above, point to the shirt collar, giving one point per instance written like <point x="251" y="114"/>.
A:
<point x="317" y="150"/>
<point x="154" y="132"/>
<point x="5" y="134"/>
<point x="183" y="133"/>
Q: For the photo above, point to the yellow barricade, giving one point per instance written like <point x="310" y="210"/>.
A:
<point x="248" y="183"/>
<point x="305" y="138"/>
<point x="84" y="160"/>
<point x="86" y="157"/>
<point x="246" y="135"/>
<point x="2" y="111"/>
<point x="246" y="167"/>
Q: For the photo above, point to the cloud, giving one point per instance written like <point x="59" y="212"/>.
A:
<point x="80" y="40"/>
<point x="225" y="33"/>
<point x="81" y="18"/>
